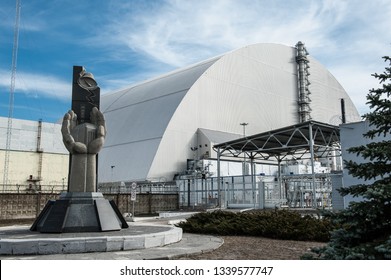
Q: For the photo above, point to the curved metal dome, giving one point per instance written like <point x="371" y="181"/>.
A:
<point x="152" y="125"/>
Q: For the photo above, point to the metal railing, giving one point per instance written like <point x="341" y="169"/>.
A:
<point x="153" y="188"/>
<point x="258" y="192"/>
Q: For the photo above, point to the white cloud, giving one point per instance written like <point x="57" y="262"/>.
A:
<point x="347" y="36"/>
<point x="183" y="32"/>
<point x="151" y="37"/>
<point x="356" y="78"/>
<point x="357" y="81"/>
<point x="37" y="85"/>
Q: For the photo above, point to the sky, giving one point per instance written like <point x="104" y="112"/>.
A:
<point x="127" y="41"/>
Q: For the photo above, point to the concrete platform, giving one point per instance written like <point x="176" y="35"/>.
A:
<point x="191" y="244"/>
<point x="19" y="240"/>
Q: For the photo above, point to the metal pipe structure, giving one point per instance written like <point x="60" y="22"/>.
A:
<point x="343" y="113"/>
<point x="303" y="83"/>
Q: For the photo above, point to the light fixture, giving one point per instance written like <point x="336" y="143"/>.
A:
<point x="86" y="80"/>
<point x="244" y="128"/>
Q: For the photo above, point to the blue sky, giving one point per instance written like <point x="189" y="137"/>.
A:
<point x="122" y="42"/>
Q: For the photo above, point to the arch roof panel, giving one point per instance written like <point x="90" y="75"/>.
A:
<point x="155" y="122"/>
<point x="140" y="114"/>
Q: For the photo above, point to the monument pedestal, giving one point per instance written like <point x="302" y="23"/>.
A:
<point x="79" y="212"/>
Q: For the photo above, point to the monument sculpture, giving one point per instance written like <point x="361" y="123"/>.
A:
<point x="82" y="209"/>
<point x="83" y="142"/>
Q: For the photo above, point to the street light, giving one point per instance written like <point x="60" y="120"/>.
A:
<point x="244" y="128"/>
<point x="112" y="175"/>
<point x="244" y="124"/>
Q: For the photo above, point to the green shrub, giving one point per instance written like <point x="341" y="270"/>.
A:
<point x="280" y="224"/>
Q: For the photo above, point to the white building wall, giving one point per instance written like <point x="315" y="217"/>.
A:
<point x="25" y="134"/>
<point x="352" y="136"/>
<point x="22" y="164"/>
<point x="24" y="158"/>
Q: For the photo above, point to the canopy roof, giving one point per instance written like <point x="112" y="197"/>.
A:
<point x="294" y="140"/>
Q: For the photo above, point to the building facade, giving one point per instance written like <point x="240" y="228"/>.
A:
<point x="352" y="136"/>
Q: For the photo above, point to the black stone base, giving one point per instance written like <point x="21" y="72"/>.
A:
<point x="79" y="212"/>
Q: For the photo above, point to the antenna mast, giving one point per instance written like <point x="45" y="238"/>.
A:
<point x="11" y="96"/>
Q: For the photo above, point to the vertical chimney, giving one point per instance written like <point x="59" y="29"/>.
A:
<point x="343" y="110"/>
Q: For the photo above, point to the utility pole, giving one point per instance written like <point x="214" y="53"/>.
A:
<point x="11" y="96"/>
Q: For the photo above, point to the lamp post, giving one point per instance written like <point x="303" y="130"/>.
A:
<point x="244" y="135"/>
<point x="244" y="128"/>
<point x="244" y="124"/>
<point x="112" y="176"/>
<point x="195" y="175"/>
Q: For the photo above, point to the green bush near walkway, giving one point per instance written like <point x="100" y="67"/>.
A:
<point x="279" y="224"/>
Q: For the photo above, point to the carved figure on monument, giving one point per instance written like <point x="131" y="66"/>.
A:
<point x="82" y="209"/>
<point x="83" y="142"/>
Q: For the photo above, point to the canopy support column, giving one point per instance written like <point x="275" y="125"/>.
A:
<point x="311" y="144"/>
<point x="218" y="179"/>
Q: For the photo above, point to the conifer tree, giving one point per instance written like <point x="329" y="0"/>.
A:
<point x="364" y="228"/>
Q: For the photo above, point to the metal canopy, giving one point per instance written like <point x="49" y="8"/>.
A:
<point x="292" y="140"/>
<point x="297" y="141"/>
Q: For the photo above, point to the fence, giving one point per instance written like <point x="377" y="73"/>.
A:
<point x="116" y="187"/>
<point x="296" y="191"/>
<point x="29" y="205"/>
<point x="29" y="188"/>
<point x="145" y="203"/>
<point x="235" y="192"/>
<point x="150" y="197"/>
<point x="22" y="206"/>
<point x="166" y="188"/>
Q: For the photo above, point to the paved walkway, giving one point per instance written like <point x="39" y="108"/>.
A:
<point x="188" y="245"/>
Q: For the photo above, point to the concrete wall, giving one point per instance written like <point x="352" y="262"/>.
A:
<point x="24" y="136"/>
<point x="33" y="142"/>
<point x="145" y="203"/>
<point x="28" y="206"/>
<point x="22" y="206"/>
<point x="22" y="164"/>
